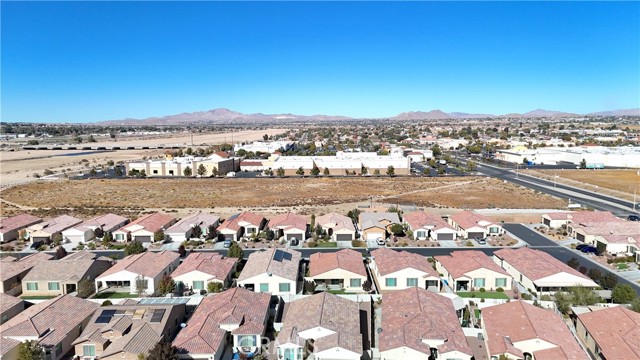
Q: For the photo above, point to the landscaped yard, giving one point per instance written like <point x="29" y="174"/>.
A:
<point x="37" y="297"/>
<point x="622" y="266"/>
<point x="483" y="295"/>
<point x="327" y="244"/>
<point x="115" y="295"/>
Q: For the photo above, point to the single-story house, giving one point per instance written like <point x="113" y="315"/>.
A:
<point x="60" y="277"/>
<point x="337" y="226"/>
<point x="610" y="333"/>
<point x="9" y="227"/>
<point x="117" y="332"/>
<point x="147" y="268"/>
<point x="196" y="225"/>
<point x="557" y="219"/>
<point x="470" y="225"/>
<point x="377" y="225"/>
<point x="421" y="325"/>
<point x="471" y="271"/>
<point x="539" y="271"/>
<point x="12" y="271"/>
<point x="428" y="226"/>
<point x="397" y="270"/>
<point x="49" y="324"/>
<point x="342" y="269"/>
<point x="144" y="228"/>
<point x="274" y="271"/>
<point x="199" y="269"/>
<point x="615" y="237"/>
<point x="240" y="225"/>
<point x="524" y="331"/>
<point x="94" y="228"/>
<point x="46" y="231"/>
<point x="290" y="226"/>
<point x="328" y="323"/>
<point x="10" y="306"/>
<point x="236" y="318"/>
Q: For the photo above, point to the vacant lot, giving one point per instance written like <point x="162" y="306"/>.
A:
<point x="622" y="182"/>
<point x="272" y="194"/>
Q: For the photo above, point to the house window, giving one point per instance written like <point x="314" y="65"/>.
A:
<point x="88" y="350"/>
<point x="119" y="237"/>
<point x="355" y="283"/>
<point x="494" y="230"/>
<point x="390" y="282"/>
<point x="478" y="283"/>
<point x="5" y="317"/>
<point x="284" y="287"/>
<point x="412" y="282"/>
<point x="155" y="171"/>
<point x="251" y="230"/>
<point x="54" y="286"/>
<point x="32" y="286"/>
<point x="501" y="282"/>
<point x="264" y="287"/>
<point x="247" y="340"/>
<point x="421" y="234"/>
<point x="198" y="285"/>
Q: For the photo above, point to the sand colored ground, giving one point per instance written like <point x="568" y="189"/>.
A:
<point x="267" y="196"/>
<point x="20" y="166"/>
<point x="617" y="182"/>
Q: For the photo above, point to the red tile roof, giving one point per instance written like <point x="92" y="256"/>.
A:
<point x="414" y="314"/>
<point x="459" y="263"/>
<point x="233" y="223"/>
<point x="616" y="330"/>
<point x="151" y="222"/>
<point x="213" y="264"/>
<point x="421" y="219"/>
<point x="7" y="302"/>
<point x="468" y="219"/>
<point x="55" y="225"/>
<point x="389" y="261"/>
<point x="288" y="221"/>
<point x="592" y="216"/>
<point x="9" y="269"/>
<point x="535" y="264"/>
<point x="148" y="263"/>
<point x="520" y="321"/>
<point x="346" y="259"/>
<point x="17" y="222"/>
<point x="203" y="334"/>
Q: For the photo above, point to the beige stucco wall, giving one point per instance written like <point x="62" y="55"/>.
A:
<point x="343" y="275"/>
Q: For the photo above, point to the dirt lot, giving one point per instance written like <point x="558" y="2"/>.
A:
<point x="20" y="165"/>
<point x="304" y="196"/>
<point x="617" y="182"/>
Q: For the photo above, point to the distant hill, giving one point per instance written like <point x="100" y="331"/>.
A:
<point x="225" y="116"/>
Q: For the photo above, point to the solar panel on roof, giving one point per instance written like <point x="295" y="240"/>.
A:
<point x="157" y="315"/>
<point x="164" y="301"/>
<point x="108" y="312"/>
<point x="233" y="217"/>
<point x="103" y="319"/>
<point x="280" y="255"/>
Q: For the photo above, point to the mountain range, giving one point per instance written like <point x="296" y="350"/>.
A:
<point x="222" y="116"/>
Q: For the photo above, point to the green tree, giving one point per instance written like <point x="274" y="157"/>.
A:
<point x="214" y="172"/>
<point x="471" y="166"/>
<point x="397" y="229"/>
<point x="583" y="164"/>
<point x="265" y="137"/>
<point x="623" y="294"/>
<point x="326" y="171"/>
<point x="214" y="287"/>
<point x="143" y="173"/>
<point x="93" y="171"/>
<point x="525" y="161"/>
<point x="364" y="170"/>
<point x="280" y="172"/>
<point x="91" y="139"/>
<point x="158" y="236"/>
<point x="142" y="284"/>
<point x="578" y="296"/>
<point x="315" y="171"/>
<point x="573" y="263"/>
<point x="110" y="163"/>
<point x="86" y="288"/>
<point x="235" y="251"/>
<point x="119" y="171"/>
<point x="30" y="350"/>
<point x="133" y="248"/>
<point x="376" y="172"/>
<point x="635" y="304"/>
<point x="163" y="351"/>
<point x="167" y="285"/>
<point x="436" y="150"/>
<point x="106" y="239"/>
<point x="391" y="171"/>
<point x="300" y="171"/>
<point x="202" y="170"/>
<point x="187" y="171"/>
<point x="594" y="274"/>
<point x="609" y="281"/>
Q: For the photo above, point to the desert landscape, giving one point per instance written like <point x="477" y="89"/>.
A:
<point x="265" y="195"/>
<point x="19" y="166"/>
<point x="617" y="182"/>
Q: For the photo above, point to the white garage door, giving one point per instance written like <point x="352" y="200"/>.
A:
<point x="373" y="236"/>
<point x="75" y="238"/>
<point x="445" y="236"/>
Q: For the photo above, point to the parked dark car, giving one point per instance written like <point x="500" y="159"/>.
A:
<point x="633" y="218"/>
<point x="294" y="242"/>
<point x="581" y="246"/>
<point x="589" y="250"/>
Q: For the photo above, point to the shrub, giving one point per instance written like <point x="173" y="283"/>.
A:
<point x="499" y="289"/>
<point x="107" y="303"/>
<point x="468" y="243"/>
<point x="482" y="300"/>
<point x="526" y="296"/>
<point x="357" y="243"/>
<point x="545" y="297"/>
<point x="312" y="244"/>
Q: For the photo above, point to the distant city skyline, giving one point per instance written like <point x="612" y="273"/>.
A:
<point x="96" y="61"/>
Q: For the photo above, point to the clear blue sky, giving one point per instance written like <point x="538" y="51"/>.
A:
<point x="90" y="61"/>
